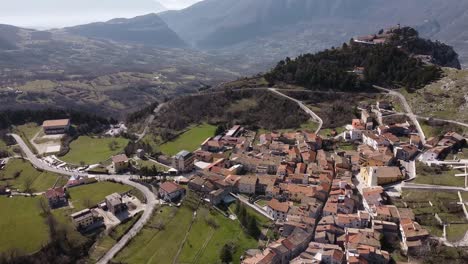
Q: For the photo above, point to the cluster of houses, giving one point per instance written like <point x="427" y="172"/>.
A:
<point x="310" y="193"/>
<point x="88" y="218"/>
<point x="439" y="148"/>
<point x="328" y="207"/>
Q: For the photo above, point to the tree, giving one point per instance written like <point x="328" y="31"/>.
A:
<point x="16" y="174"/>
<point x="27" y="184"/>
<point x="220" y="130"/>
<point x="44" y="206"/>
<point x="243" y="216"/>
<point x="226" y="254"/>
<point x="252" y="227"/>
<point x="113" y="145"/>
<point x="238" y="207"/>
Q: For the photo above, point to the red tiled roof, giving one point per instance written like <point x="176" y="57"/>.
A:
<point x="170" y="187"/>
<point x="55" y="192"/>
<point x="278" y="206"/>
<point x="120" y="158"/>
<point x="56" y="123"/>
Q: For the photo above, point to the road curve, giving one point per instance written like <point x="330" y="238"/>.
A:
<point x="408" y="110"/>
<point x="151" y="203"/>
<point x="303" y="107"/>
<point x="151" y="200"/>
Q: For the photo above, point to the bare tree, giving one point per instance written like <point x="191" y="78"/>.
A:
<point x="44" y="206"/>
<point x="27" y="184"/>
<point x="16" y="174"/>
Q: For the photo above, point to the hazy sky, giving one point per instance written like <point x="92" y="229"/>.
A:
<point x="178" y="4"/>
<point x="44" y="14"/>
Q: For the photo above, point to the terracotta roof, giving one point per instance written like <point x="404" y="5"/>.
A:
<point x="248" y="179"/>
<point x="56" y="123"/>
<point x="278" y="206"/>
<point x="120" y="158"/>
<point x="55" y="192"/>
<point x="232" y="179"/>
<point x="170" y="187"/>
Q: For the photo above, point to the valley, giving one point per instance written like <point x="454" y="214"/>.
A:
<point x="235" y="132"/>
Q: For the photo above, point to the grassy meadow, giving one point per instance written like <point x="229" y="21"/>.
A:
<point x="39" y="181"/>
<point x="91" y="194"/>
<point x="22" y="226"/>
<point x="93" y="150"/>
<point x="189" y="140"/>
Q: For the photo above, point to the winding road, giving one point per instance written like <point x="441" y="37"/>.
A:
<point x="306" y="109"/>
<point x="151" y="199"/>
<point x="408" y="110"/>
<point x="148" y="121"/>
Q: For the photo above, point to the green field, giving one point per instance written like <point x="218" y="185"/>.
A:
<point x="203" y="243"/>
<point x="434" y="176"/>
<point x="189" y="140"/>
<point x="456" y="232"/>
<point x="106" y="242"/>
<point x="150" y="164"/>
<point x="328" y="131"/>
<point x="418" y="201"/>
<point x="93" y="150"/>
<point x="155" y="246"/>
<point x="22" y="227"/>
<point x="103" y="245"/>
<point x="28" y="130"/>
<point x="41" y="181"/>
<point x="92" y="194"/>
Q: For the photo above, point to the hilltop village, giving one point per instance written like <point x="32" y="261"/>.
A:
<point x="330" y="204"/>
<point x="331" y="198"/>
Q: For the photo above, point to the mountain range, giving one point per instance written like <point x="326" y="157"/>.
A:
<point x="208" y="43"/>
<point x="254" y="34"/>
<point x="147" y="29"/>
<point x="280" y="28"/>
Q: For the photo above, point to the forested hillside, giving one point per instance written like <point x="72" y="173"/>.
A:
<point x="442" y="54"/>
<point x="258" y="109"/>
<point x="383" y="64"/>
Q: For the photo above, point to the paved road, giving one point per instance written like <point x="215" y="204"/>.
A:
<point x="151" y="199"/>
<point x="406" y="185"/>
<point x="408" y="110"/>
<point x="150" y="120"/>
<point x="303" y="107"/>
<point x="39" y="163"/>
<point x="151" y="203"/>
<point x="442" y="120"/>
